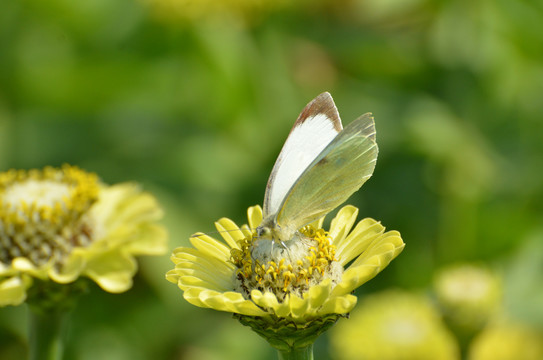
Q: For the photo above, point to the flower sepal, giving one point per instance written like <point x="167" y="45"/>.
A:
<point x="286" y="335"/>
<point x="45" y="296"/>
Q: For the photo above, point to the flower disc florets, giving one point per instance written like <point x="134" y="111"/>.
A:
<point x="42" y="213"/>
<point x="289" y="268"/>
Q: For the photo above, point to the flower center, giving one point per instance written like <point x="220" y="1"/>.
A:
<point x="42" y="193"/>
<point x="290" y="268"/>
<point x="43" y="213"/>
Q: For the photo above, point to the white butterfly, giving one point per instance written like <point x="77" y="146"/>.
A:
<point x="319" y="167"/>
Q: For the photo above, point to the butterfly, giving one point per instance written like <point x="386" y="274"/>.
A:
<point x="319" y="167"/>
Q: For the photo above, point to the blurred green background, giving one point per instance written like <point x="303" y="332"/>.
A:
<point x="194" y="99"/>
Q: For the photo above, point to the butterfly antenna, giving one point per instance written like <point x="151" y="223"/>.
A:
<point x="208" y="233"/>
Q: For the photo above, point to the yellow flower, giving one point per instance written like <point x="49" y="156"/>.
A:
<point x="394" y="325"/>
<point x="507" y="341"/>
<point x="303" y="280"/>
<point x="60" y="224"/>
<point x="468" y="294"/>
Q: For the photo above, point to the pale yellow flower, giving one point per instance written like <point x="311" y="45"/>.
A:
<point x="505" y="340"/>
<point x="61" y="224"/>
<point x="468" y="294"/>
<point x="313" y="276"/>
<point x="394" y="325"/>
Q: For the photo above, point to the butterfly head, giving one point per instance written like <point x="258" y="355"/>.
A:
<point x="264" y="232"/>
<point x="269" y="229"/>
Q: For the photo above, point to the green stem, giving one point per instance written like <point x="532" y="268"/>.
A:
<point x="46" y="334"/>
<point x="305" y="353"/>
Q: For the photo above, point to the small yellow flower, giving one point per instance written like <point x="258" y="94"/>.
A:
<point x="60" y="224"/>
<point x="301" y="281"/>
<point x="468" y="294"/>
<point x="506" y="340"/>
<point x="394" y="325"/>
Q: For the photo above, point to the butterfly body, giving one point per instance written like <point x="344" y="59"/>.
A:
<point x="318" y="168"/>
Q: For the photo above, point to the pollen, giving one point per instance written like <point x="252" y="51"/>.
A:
<point x="43" y="213"/>
<point x="291" y="268"/>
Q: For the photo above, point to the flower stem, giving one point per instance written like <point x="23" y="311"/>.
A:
<point x="49" y="304"/>
<point x="304" y="353"/>
<point x="46" y="334"/>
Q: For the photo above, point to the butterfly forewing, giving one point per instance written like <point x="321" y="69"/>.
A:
<point x="337" y="172"/>
<point x="317" y="125"/>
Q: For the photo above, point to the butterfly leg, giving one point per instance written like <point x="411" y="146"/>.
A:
<point x="284" y="246"/>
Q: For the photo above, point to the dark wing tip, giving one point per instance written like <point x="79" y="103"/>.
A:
<point x="322" y="104"/>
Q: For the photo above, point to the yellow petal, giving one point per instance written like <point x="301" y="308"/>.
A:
<point x="223" y="301"/>
<point x="246" y="231"/>
<point x="265" y="300"/>
<point x="318" y="294"/>
<point x="370" y="263"/>
<point x="192" y="295"/>
<point x="22" y="264"/>
<point x="25" y="266"/>
<point x="298" y="307"/>
<point x="342" y="223"/>
<point x="189" y="281"/>
<point x="152" y="239"/>
<point x="172" y="276"/>
<point x="125" y="203"/>
<point x="338" y="305"/>
<point x="283" y="309"/>
<point x="249" y="308"/>
<point x="195" y="257"/>
<point x="230" y="232"/>
<point x="231" y="301"/>
<point x="211" y="247"/>
<point x="112" y="271"/>
<point x="268" y="300"/>
<point x="389" y="246"/>
<point x="364" y="233"/>
<point x="220" y="281"/>
<point x="13" y="291"/>
<point x="71" y="269"/>
<point x="254" y="214"/>
<point x="355" y="276"/>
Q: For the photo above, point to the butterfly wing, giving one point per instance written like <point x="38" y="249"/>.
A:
<point x="317" y="125"/>
<point x="334" y="175"/>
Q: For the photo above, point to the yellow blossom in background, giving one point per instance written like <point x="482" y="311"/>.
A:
<point x="314" y="278"/>
<point x="61" y="224"/>
<point x="507" y="341"/>
<point x="468" y="294"/>
<point x="394" y="325"/>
